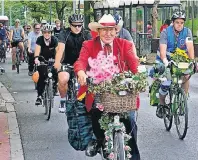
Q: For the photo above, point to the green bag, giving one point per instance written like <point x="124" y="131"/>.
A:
<point x="153" y="91"/>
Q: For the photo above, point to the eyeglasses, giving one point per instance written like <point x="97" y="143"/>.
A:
<point x="80" y="25"/>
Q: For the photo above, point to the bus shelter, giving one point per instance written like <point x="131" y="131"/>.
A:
<point x="136" y="14"/>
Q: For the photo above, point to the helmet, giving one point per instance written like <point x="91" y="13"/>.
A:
<point x="159" y="68"/>
<point x="179" y="15"/>
<point x="35" y="76"/>
<point x="75" y="18"/>
<point x="118" y="20"/>
<point x="43" y="21"/>
<point x="47" y="27"/>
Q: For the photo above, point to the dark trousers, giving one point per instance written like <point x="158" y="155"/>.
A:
<point x="42" y="77"/>
<point x="31" y="62"/>
<point x="129" y="125"/>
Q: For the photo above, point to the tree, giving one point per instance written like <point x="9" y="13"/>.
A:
<point x="38" y="10"/>
<point x="154" y="18"/>
<point x="61" y="7"/>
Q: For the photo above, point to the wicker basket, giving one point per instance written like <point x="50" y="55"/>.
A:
<point x="118" y="104"/>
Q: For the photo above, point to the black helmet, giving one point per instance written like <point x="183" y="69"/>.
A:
<point x="159" y="68"/>
<point x="179" y="15"/>
<point x="76" y="18"/>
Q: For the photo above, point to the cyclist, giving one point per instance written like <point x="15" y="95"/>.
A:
<point x="16" y="39"/>
<point x="32" y="37"/>
<point x="172" y="37"/>
<point x="123" y="33"/>
<point x="107" y="28"/>
<point x="2" y="35"/>
<point x="70" y="42"/>
<point x="58" y="28"/>
<point x="46" y="46"/>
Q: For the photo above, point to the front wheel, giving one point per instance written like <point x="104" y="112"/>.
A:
<point x="50" y="97"/>
<point x="17" y="62"/>
<point x="168" y="117"/>
<point x="181" y="114"/>
<point x="118" y="145"/>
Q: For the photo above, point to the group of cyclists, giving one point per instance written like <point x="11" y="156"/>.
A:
<point x="73" y="46"/>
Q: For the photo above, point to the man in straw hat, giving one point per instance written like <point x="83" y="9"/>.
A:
<point x="125" y="59"/>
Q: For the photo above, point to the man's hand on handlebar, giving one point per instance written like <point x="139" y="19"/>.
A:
<point x="82" y="77"/>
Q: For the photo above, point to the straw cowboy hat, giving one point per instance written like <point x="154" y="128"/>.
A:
<point x="105" y="22"/>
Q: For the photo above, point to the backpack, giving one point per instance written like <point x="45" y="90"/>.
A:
<point x="80" y="131"/>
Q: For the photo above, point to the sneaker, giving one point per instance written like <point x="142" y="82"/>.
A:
<point x="62" y="108"/>
<point x="13" y="67"/>
<point x="30" y="73"/>
<point x="38" y="101"/>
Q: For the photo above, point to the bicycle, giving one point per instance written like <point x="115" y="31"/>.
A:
<point x="48" y="95"/>
<point x="118" y="132"/>
<point x="176" y="105"/>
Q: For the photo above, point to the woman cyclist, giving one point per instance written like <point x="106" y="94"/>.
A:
<point x="46" y="46"/>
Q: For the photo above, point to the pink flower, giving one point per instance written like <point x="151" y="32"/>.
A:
<point x="126" y="148"/>
<point x="100" y="107"/>
<point x="111" y="155"/>
<point x="107" y="138"/>
<point x="92" y="62"/>
<point x="129" y="155"/>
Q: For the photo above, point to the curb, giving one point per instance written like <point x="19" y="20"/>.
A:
<point x="14" y="135"/>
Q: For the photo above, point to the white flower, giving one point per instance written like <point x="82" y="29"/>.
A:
<point x="141" y="69"/>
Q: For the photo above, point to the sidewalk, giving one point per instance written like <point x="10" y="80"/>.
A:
<point x="10" y="141"/>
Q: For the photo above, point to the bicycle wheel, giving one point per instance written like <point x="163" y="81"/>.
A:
<point x="181" y="114"/>
<point x="118" y="145"/>
<point x="45" y="101"/>
<point x="17" y="62"/>
<point x="50" y="98"/>
<point x="168" y="116"/>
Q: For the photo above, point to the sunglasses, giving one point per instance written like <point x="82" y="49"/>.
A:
<point x="36" y="28"/>
<point x="17" y="22"/>
<point x="28" y="28"/>
<point x="80" y="25"/>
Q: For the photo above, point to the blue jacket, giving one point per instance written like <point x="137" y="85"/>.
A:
<point x="2" y="33"/>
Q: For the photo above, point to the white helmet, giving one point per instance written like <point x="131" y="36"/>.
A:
<point x="43" y="21"/>
<point x="47" y="27"/>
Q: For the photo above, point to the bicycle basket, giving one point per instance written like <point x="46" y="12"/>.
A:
<point x="114" y="103"/>
<point x="182" y="68"/>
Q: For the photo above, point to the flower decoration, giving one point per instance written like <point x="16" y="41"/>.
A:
<point x="180" y="56"/>
<point x="108" y="124"/>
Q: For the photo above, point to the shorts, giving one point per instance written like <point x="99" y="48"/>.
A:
<point x="15" y="43"/>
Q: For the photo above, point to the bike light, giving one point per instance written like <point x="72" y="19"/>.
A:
<point x="49" y="75"/>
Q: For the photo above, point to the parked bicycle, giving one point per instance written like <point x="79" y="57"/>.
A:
<point x="48" y="96"/>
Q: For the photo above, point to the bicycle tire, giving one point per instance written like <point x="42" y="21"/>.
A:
<point x="118" y="146"/>
<point x="45" y="101"/>
<point x="183" y="111"/>
<point x="17" y="62"/>
<point x="168" y="117"/>
<point x="50" y="98"/>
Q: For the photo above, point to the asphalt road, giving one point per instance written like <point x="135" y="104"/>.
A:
<point x="47" y="140"/>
